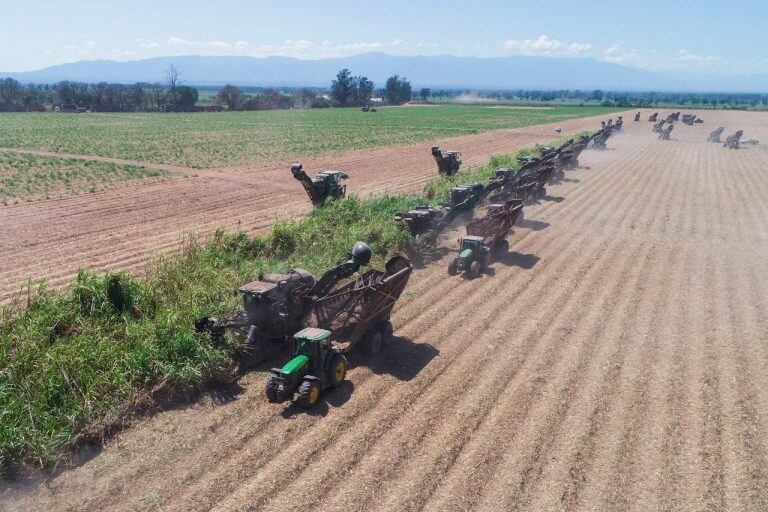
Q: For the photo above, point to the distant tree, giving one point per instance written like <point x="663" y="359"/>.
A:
<point x="304" y="98"/>
<point x="185" y="97"/>
<point x="397" y="90"/>
<point x="10" y="91"/>
<point x="232" y="97"/>
<point x="424" y="93"/>
<point x="597" y="95"/>
<point x="363" y="90"/>
<point x="342" y="89"/>
<point x="172" y="77"/>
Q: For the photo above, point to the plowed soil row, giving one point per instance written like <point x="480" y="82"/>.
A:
<point x="615" y="359"/>
<point x="121" y="228"/>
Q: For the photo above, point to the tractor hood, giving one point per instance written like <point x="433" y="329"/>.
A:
<point x="465" y="254"/>
<point x="296" y="364"/>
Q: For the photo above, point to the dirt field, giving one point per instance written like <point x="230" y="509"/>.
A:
<point x="615" y="360"/>
<point x="121" y="228"/>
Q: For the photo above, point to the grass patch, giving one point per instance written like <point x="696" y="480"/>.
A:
<point x="205" y="140"/>
<point x="73" y="361"/>
<point x="26" y="177"/>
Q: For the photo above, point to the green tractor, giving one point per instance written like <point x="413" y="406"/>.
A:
<point x="474" y="256"/>
<point x="315" y="365"/>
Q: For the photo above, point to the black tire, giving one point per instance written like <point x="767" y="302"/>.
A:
<point x="338" y="370"/>
<point x="309" y="394"/>
<point x="486" y="261"/>
<point x="453" y="268"/>
<point x="474" y="269"/>
<point x="386" y="330"/>
<point x="503" y="247"/>
<point x="373" y="342"/>
<point x="271" y="389"/>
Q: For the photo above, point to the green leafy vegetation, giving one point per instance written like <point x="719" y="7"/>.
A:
<point x="207" y="140"/>
<point x="26" y="177"/>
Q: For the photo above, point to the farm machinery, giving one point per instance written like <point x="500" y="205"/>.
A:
<point x="277" y="305"/>
<point x="653" y="117"/>
<point x="356" y="313"/>
<point x="691" y="119"/>
<point x="658" y="127"/>
<point x="637" y="117"/>
<point x="422" y="220"/>
<point x="448" y="163"/>
<point x="619" y="126"/>
<point x="732" y="141"/>
<point x="326" y="184"/>
<point x="485" y="236"/>
<point x="666" y="133"/>
<point x="673" y="117"/>
<point x="600" y="138"/>
<point x="714" y="135"/>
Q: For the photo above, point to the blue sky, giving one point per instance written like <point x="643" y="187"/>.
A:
<point x="706" y="36"/>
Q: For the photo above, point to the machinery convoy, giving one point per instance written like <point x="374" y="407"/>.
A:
<point x="321" y="320"/>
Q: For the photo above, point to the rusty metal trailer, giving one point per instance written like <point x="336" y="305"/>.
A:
<point x="359" y="311"/>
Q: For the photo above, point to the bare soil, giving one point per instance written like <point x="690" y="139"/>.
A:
<point x="615" y="359"/>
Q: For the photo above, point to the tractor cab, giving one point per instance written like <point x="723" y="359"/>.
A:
<point x="310" y="345"/>
<point x="463" y="193"/>
<point x="275" y="296"/>
<point x="469" y="249"/>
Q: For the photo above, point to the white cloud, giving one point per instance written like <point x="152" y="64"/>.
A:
<point x="545" y="45"/>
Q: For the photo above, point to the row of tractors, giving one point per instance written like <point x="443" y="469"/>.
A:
<point x="321" y="319"/>
<point x="734" y="141"/>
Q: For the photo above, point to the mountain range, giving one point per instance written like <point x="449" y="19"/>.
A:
<point x="450" y="72"/>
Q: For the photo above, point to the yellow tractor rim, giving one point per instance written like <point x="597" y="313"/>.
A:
<point x="314" y="393"/>
<point x="340" y="369"/>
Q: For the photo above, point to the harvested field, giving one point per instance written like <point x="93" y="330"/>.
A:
<point x="121" y="228"/>
<point x="614" y="360"/>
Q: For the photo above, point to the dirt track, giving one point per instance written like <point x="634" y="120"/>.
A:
<point x="615" y="360"/>
<point x="121" y="228"/>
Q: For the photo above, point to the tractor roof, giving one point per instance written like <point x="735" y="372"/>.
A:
<point x="312" y="333"/>
<point x="258" y="287"/>
<point x="474" y="238"/>
<point x="329" y="173"/>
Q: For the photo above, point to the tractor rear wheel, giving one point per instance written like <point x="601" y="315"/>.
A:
<point x="309" y="394"/>
<point x="271" y="389"/>
<point x="503" y="247"/>
<point x="373" y="342"/>
<point x="386" y="330"/>
<point x="474" y="269"/>
<point x="453" y="268"/>
<point x="338" y="370"/>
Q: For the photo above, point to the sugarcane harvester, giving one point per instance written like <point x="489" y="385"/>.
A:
<point x="732" y="141"/>
<point x="276" y="306"/>
<point x="448" y="163"/>
<point x="658" y="127"/>
<point x="484" y="237"/>
<point x="326" y="184"/>
<point x="637" y="117"/>
<point x="666" y="132"/>
<point x="653" y="117"/>
<point x="714" y="135"/>
<point x="356" y="313"/>
<point x="427" y="220"/>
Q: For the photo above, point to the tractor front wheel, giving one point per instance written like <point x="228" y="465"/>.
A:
<point x="309" y="394"/>
<point x="474" y="269"/>
<point x="338" y="370"/>
<point x="373" y="342"/>
<point x="272" y="389"/>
